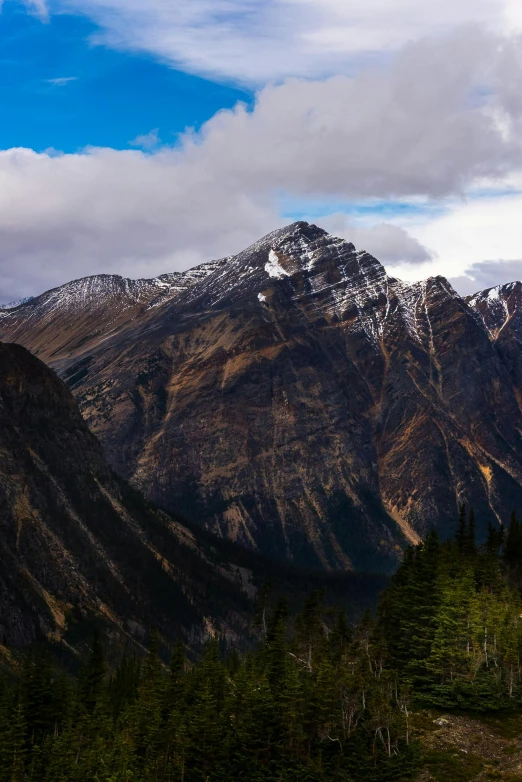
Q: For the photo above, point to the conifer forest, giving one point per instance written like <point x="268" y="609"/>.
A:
<point x="316" y="700"/>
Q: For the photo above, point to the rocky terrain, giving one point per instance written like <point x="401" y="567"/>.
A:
<point x="469" y="747"/>
<point x="295" y="398"/>
<point x="76" y="542"/>
<point x="80" y="548"/>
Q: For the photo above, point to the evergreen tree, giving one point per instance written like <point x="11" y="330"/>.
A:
<point x="92" y="676"/>
<point x="513" y="544"/>
<point x="148" y="712"/>
<point x="462" y="531"/>
<point x="275" y="651"/>
<point x="470" y="546"/>
<point x="408" y="610"/>
<point x="318" y="700"/>
<point x="13" y="760"/>
<point x="492" y="541"/>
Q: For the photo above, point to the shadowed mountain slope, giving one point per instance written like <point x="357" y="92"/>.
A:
<point x="77" y="542"/>
<point x="295" y="398"/>
<point x="78" y="546"/>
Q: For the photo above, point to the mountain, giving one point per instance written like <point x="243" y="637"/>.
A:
<point x="80" y="548"/>
<point x="76" y="542"/>
<point x="13" y="304"/>
<point x="499" y="309"/>
<point x="295" y="398"/>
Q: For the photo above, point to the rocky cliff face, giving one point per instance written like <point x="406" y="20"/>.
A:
<point x="76" y="543"/>
<point x="295" y="398"/>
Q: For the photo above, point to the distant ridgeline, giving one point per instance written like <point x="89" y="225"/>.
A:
<point x="318" y="700"/>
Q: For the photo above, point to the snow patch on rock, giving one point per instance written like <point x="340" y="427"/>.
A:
<point x="273" y="268"/>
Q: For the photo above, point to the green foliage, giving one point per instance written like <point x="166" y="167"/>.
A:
<point x="313" y="703"/>
<point x="452" y="766"/>
<point x="318" y="701"/>
<point x="92" y="676"/>
<point x="453" y="620"/>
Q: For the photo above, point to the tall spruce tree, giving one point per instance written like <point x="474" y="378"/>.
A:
<point x="470" y="545"/>
<point x="92" y="675"/>
<point x="462" y="530"/>
<point x="513" y="544"/>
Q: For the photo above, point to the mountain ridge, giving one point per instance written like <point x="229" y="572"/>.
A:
<point x="79" y="548"/>
<point x="75" y="542"/>
<point x="300" y="400"/>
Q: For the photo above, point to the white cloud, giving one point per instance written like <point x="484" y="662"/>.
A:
<point x="37" y="8"/>
<point x="390" y="243"/>
<point x="257" y="41"/>
<point x="425" y="126"/>
<point x="487" y="274"/>
<point x="477" y="241"/>
<point x="147" y="141"/>
<point x="62" y="81"/>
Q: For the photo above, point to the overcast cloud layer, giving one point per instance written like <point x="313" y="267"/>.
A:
<point x="438" y="119"/>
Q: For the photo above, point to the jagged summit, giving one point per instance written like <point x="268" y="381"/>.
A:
<point x="496" y="307"/>
<point x="300" y="243"/>
<point x="298" y="261"/>
<point x="299" y="229"/>
<point x="312" y="406"/>
<point x="93" y="288"/>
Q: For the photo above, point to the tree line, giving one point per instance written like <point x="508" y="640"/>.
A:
<point x="317" y="700"/>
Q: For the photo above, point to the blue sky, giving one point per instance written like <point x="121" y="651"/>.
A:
<point x="393" y="123"/>
<point x="112" y="96"/>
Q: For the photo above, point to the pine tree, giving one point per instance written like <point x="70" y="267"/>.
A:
<point x="462" y="532"/>
<point x="492" y="541"/>
<point x="275" y="649"/>
<point x="148" y="712"/>
<point x="38" y="694"/>
<point x="513" y="544"/>
<point x="92" y="676"/>
<point x="408" y="609"/>
<point x="309" y="630"/>
<point x="14" y="746"/>
<point x="470" y="545"/>
<point x="339" y="638"/>
<point x="175" y="686"/>
<point x="262" y="606"/>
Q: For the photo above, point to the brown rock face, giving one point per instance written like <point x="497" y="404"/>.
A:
<point x="76" y="542"/>
<point x="295" y="398"/>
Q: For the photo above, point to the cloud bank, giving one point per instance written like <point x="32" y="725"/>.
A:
<point x="442" y="115"/>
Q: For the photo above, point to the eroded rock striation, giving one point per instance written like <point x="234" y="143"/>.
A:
<point x="295" y="397"/>
<point x="77" y="543"/>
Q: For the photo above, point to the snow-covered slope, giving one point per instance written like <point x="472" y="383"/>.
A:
<point x="496" y="307"/>
<point x="84" y="312"/>
<point x="11" y="305"/>
<point x="317" y="269"/>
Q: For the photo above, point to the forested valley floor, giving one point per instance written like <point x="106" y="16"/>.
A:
<point x="317" y="701"/>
